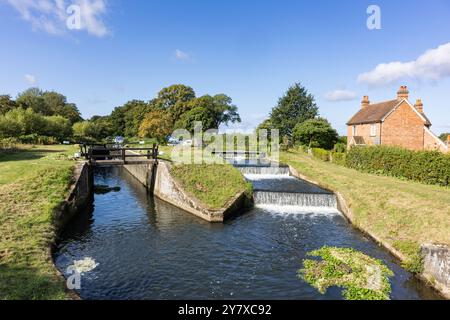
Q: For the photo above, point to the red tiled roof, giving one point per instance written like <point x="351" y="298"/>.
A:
<point x="375" y="113"/>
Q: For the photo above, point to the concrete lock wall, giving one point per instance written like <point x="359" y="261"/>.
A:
<point x="159" y="181"/>
<point x="436" y="260"/>
<point x="80" y="193"/>
<point x="142" y="172"/>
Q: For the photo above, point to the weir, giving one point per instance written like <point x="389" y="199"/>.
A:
<point x="274" y="185"/>
<point x="295" y="199"/>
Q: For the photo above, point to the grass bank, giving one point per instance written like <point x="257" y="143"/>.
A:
<point x="33" y="183"/>
<point x="213" y="184"/>
<point x="402" y="214"/>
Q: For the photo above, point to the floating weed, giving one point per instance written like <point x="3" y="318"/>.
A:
<point x="362" y="277"/>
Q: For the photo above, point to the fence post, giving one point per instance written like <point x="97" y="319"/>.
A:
<point x="123" y="155"/>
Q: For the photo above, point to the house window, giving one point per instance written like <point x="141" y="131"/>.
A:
<point x="354" y="131"/>
<point x="373" y="130"/>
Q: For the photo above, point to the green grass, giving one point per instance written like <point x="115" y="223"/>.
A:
<point x="361" y="276"/>
<point x="213" y="184"/>
<point x="402" y="214"/>
<point x="33" y="183"/>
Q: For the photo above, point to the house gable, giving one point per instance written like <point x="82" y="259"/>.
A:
<point x="403" y="127"/>
<point x="421" y="116"/>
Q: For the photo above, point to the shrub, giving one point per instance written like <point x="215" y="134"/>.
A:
<point x="430" y="167"/>
<point x="9" y="144"/>
<point x="321" y="154"/>
<point x="338" y="158"/>
<point x="340" y="147"/>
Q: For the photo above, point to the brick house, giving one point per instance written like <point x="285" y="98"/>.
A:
<point x="393" y="123"/>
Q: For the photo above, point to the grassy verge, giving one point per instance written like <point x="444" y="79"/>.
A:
<point x="402" y="214"/>
<point x="213" y="184"/>
<point x="33" y="183"/>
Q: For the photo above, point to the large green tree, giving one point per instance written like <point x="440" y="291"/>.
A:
<point x="125" y="120"/>
<point x="316" y="133"/>
<point x="48" y="103"/>
<point x="212" y="111"/>
<point x="6" y="104"/>
<point x="296" y="106"/>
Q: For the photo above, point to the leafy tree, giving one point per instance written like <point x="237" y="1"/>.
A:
<point x="58" y="127"/>
<point x="170" y="96"/>
<point x="296" y="106"/>
<point x="6" y="104"/>
<point x="265" y="125"/>
<point x="32" y="98"/>
<point x="444" y="136"/>
<point x="316" y="133"/>
<point x="57" y="104"/>
<point x="157" y="124"/>
<point x="125" y="120"/>
<point x="211" y="111"/>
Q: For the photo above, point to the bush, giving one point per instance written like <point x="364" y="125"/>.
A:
<point x="9" y="144"/>
<point x="430" y="167"/>
<point x="37" y="139"/>
<point x="321" y="154"/>
<point x="338" y="158"/>
<point x="340" y="147"/>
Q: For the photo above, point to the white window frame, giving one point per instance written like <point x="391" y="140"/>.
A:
<point x="373" y="130"/>
<point x="354" y="130"/>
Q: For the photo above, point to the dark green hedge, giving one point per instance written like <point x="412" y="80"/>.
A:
<point x="428" y="167"/>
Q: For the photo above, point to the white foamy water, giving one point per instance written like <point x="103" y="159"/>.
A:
<point x="298" y="211"/>
<point x="85" y="265"/>
<point x="258" y="177"/>
<point x="264" y="171"/>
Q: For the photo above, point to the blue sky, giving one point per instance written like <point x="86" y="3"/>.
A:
<point x="250" y="50"/>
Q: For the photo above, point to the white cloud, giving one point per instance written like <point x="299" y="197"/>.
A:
<point x="433" y="65"/>
<point x="181" y="55"/>
<point x="340" y="95"/>
<point x="30" y="79"/>
<point x="51" y="15"/>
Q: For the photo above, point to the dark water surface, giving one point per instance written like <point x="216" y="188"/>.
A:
<point x="148" y="249"/>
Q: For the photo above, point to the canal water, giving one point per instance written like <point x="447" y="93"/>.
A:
<point x="148" y="249"/>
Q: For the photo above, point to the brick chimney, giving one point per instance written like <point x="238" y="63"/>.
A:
<point x="365" y="102"/>
<point x="403" y="93"/>
<point x="419" y="105"/>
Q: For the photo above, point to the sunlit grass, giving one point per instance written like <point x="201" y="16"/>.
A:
<point x="33" y="183"/>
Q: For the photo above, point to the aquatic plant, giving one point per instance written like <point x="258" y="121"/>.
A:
<point x="361" y="276"/>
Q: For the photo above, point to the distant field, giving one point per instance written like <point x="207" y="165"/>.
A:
<point x="33" y="183"/>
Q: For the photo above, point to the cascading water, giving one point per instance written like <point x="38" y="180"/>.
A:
<point x="295" y="199"/>
<point x="274" y="186"/>
<point x="246" y="170"/>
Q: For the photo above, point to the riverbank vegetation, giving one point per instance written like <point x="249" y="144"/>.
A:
<point x="361" y="276"/>
<point x="213" y="184"/>
<point x="33" y="184"/>
<point x="401" y="214"/>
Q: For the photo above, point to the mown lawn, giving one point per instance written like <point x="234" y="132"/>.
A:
<point x="33" y="183"/>
<point x="401" y="213"/>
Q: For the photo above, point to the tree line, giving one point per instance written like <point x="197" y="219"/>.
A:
<point x="37" y="116"/>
